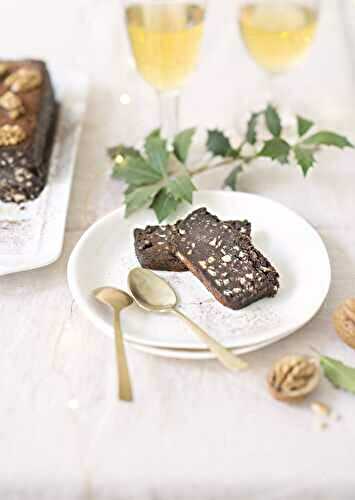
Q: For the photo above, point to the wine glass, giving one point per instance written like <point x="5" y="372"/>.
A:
<point x="278" y="33"/>
<point x="165" y="38"/>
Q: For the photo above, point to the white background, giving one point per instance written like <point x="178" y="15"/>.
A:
<point x="195" y="430"/>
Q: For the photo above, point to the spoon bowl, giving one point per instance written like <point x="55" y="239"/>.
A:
<point x="150" y="291"/>
<point x="154" y="294"/>
<point x="113" y="297"/>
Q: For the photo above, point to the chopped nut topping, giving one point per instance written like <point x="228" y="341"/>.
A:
<point x="203" y="264"/>
<point x="24" y="79"/>
<point x="210" y="260"/>
<point x="226" y="258"/>
<point x="10" y="135"/>
<point x="213" y="242"/>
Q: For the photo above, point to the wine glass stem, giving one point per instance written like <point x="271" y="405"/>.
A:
<point x="169" y="113"/>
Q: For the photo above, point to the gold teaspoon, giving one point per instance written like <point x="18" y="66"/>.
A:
<point x="154" y="294"/>
<point x="118" y="300"/>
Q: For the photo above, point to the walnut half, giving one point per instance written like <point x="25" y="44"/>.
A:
<point x="293" y="377"/>
<point x="23" y="80"/>
<point x="344" y="322"/>
<point x="12" y="104"/>
<point x="10" y="135"/>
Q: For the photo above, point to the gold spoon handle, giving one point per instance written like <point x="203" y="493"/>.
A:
<point x="227" y="358"/>
<point x="124" y="382"/>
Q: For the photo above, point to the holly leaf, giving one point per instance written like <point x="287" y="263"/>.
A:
<point x="164" y="204"/>
<point x="137" y="171"/>
<point x="182" y="143"/>
<point x="273" y="121"/>
<point x="303" y="125"/>
<point x="140" y="197"/>
<point x="157" y="154"/>
<point x="251" y="128"/>
<point x="231" y="180"/>
<point x="276" y="149"/>
<point x="154" y="133"/>
<point x="123" y="151"/>
<point x="339" y="374"/>
<point x="326" y="138"/>
<point x="218" y="144"/>
<point x="305" y="158"/>
<point x="181" y="188"/>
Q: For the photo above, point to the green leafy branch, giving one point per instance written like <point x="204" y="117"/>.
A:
<point x="158" y="175"/>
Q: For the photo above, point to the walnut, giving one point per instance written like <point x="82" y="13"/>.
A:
<point x="24" y="79"/>
<point x="293" y="377"/>
<point x="10" y="135"/>
<point x="12" y="104"/>
<point x="344" y="322"/>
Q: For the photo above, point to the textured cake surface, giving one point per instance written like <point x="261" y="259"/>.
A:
<point x="27" y="115"/>
<point x="154" y="250"/>
<point x="224" y="259"/>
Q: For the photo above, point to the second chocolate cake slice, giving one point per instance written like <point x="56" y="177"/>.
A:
<point x="153" y="244"/>
<point x="224" y="260"/>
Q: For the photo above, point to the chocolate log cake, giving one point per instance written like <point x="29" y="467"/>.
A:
<point x="27" y="120"/>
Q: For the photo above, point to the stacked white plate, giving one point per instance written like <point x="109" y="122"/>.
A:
<point x="105" y="253"/>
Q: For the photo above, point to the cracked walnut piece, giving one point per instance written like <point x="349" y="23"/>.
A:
<point x="293" y="377"/>
<point x="24" y="79"/>
<point x="10" y="135"/>
<point x="344" y="322"/>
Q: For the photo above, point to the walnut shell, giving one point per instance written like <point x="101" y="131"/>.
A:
<point x="344" y="322"/>
<point x="293" y="377"/>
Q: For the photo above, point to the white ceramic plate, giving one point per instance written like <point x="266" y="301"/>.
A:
<point x="105" y="253"/>
<point x="195" y="354"/>
<point x="32" y="236"/>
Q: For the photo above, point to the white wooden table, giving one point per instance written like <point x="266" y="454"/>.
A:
<point x="195" y="430"/>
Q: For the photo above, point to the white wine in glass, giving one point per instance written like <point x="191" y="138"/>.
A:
<point x="278" y="33"/>
<point x="165" y="38"/>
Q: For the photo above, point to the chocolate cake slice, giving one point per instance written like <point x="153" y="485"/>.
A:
<point x="27" y="120"/>
<point x="154" y="250"/>
<point x="224" y="259"/>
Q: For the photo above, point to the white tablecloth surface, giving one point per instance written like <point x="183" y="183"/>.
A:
<point x="195" y="430"/>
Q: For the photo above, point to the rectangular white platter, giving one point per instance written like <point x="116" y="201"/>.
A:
<point x="32" y="236"/>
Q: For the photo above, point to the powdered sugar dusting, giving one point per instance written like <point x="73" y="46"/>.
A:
<point x="197" y="303"/>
